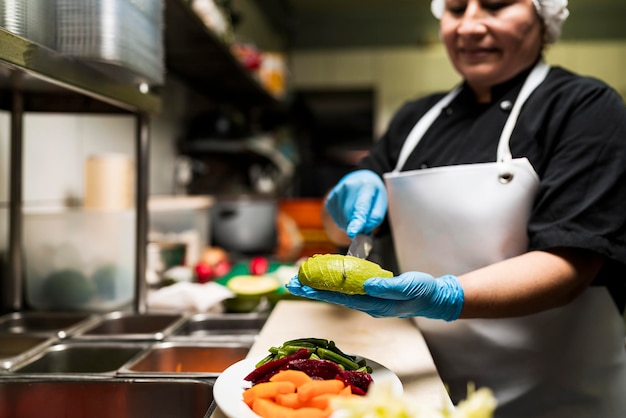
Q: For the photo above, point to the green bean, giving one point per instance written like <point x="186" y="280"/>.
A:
<point x="337" y="358"/>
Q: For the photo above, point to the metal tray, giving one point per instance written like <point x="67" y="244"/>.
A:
<point x="16" y="348"/>
<point x="216" y="327"/>
<point x="179" y="359"/>
<point x="57" y="324"/>
<point x="116" y="397"/>
<point x="88" y="359"/>
<point x="131" y="326"/>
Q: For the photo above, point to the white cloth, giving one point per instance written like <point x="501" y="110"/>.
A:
<point x="189" y="297"/>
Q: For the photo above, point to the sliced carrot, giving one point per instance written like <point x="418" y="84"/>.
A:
<point x="307" y="412"/>
<point x="282" y="398"/>
<point x="321" y="401"/>
<point x="298" y="377"/>
<point x="267" y="390"/>
<point x="267" y="408"/>
<point x="346" y="391"/>
<point x="289" y="400"/>
<point x="315" y="388"/>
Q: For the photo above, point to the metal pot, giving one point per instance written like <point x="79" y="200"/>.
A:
<point x="245" y="224"/>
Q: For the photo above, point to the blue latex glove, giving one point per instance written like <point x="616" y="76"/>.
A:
<point x="358" y="203"/>
<point x="407" y="295"/>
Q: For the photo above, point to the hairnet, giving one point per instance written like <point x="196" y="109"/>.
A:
<point x="552" y="12"/>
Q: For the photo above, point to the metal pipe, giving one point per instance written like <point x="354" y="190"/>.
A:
<point x="14" y="285"/>
<point x="142" y="168"/>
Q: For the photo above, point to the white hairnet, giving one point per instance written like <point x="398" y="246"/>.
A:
<point x="552" y="12"/>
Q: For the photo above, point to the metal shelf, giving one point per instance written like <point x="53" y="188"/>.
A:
<point x="51" y="81"/>
<point x="198" y="56"/>
<point x="34" y="78"/>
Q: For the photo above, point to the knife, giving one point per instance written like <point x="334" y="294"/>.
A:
<point x="361" y="246"/>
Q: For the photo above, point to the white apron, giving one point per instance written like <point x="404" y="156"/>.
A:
<point x="567" y="362"/>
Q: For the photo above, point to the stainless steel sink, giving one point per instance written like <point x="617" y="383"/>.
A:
<point x="176" y="359"/>
<point x="117" y="397"/>
<point x="220" y="327"/>
<point x="85" y="358"/>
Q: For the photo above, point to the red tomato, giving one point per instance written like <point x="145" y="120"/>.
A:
<point x="221" y="268"/>
<point x="204" y="272"/>
<point x="259" y="265"/>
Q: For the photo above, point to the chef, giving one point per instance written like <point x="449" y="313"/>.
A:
<point x="506" y="202"/>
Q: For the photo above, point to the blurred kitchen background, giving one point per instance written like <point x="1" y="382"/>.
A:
<point x="263" y="106"/>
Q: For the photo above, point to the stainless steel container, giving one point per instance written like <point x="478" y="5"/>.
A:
<point x="34" y="20"/>
<point x="131" y="326"/>
<point x="87" y="359"/>
<point x="121" y="37"/>
<point x="220" y="327"/>
<point x="180" y="359"/>
<point x="15" y="349"/>
<point x="49" y="324"/>
<point x="116" y="397"/>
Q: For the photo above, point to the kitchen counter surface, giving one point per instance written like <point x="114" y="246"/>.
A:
<point x="393" y="342"/>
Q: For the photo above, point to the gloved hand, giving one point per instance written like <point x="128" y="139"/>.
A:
<point x="358" y="203"/>
<point x="407" y="295"/>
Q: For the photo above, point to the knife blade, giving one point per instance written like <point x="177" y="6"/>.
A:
<point x="361" y="246"/>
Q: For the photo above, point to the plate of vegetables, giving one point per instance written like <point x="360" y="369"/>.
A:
<point x="301" y="375"/>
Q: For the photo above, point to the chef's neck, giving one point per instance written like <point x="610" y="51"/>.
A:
<point x="483" y="95"/>
<point x="485" y="91"/>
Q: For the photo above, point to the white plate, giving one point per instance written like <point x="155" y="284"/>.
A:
<point x="230" y="385"/>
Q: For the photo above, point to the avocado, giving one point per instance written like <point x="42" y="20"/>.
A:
<point x="339" y="273"/>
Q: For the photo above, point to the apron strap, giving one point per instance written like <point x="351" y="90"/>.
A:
<point x="534" y="79"/>
<point x="422" y="126"/>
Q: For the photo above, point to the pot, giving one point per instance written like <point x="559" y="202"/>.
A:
<point x="245" y="224"/>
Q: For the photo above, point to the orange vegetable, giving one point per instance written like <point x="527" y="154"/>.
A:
<point x="307" y="412"/>
<point x="298" y="377"/>
<point x="289" y="400"/>
<point x="315" y="388"/>
<point x="321" y="401"/>
<point x="267" y="390"/>
<point x="270" y="409"/>
<point x="294" y="394"/>
<point x="347" y="391"/>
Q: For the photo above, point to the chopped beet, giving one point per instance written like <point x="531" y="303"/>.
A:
<point x="271" y="367"/>
<point x="356" y="379"/>
<point x="357" y="390"/>
<point x="324" y="369"/>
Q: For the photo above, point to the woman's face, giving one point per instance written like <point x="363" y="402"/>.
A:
<point x="491" y="41"/>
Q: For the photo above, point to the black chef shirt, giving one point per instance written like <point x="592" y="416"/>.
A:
<point x="573" y="131"/>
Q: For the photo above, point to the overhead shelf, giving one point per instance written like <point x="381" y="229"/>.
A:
<point x="197" y="55"/>
<point x="51" y="81"/>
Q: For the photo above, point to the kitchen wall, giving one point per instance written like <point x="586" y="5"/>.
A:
<point x="401" y="74"/>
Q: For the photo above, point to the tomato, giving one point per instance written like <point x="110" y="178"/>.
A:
<point x="259" y="265"/>
<point x="204" y="272"/>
